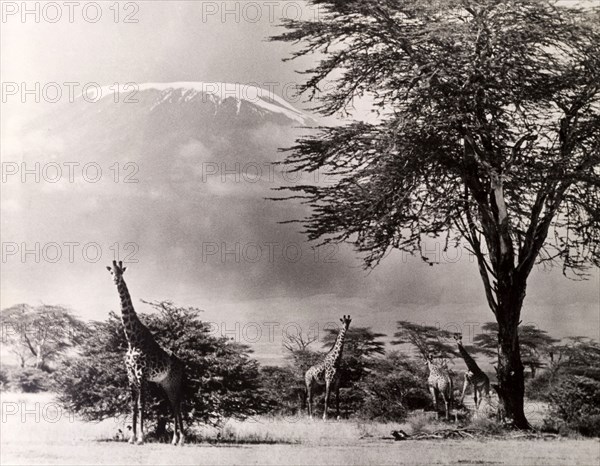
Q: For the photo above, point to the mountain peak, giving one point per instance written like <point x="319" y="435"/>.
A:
<point x="216" y="91"/>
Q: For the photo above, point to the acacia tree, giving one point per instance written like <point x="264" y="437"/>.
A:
<point x="426" y="339"/>
<point x="487" y="132"/>
<point x="42" y="333"/>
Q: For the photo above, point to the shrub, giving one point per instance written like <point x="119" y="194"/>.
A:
<point x="576" y="403"/>
<point x="3" y="379"/>
<point x="285" y="390"/>
<point x="393" y="388"/>
<point x="540" y="387"/>
<point x="28" y="380"/>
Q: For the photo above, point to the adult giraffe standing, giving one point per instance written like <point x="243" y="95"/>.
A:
<point x="439" y="383"/>
<point x="327" y="371"/>
<point x="147" y="362"/>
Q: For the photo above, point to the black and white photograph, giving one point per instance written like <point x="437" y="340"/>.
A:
<point x="300" y="232"/>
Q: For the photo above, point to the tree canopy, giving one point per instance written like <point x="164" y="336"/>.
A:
<point x="427" y="340"/>
<point x="474" y="97"/>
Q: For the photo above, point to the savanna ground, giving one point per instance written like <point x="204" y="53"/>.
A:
<point x="35" y="431"/>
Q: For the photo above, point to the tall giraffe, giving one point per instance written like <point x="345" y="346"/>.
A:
<point x="327" y="371"/>
<point x="473" y="376"/>
<point x="147" y="362"/>
<point x="439" y="383"/>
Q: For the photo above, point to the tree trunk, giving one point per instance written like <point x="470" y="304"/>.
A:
<point x="39" y="360"/>
<point x="161" y="429"/>
<point x="510" y="371"/>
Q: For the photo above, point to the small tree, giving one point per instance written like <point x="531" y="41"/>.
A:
<point x="42" y="333"/>
<point x="578" y="356"/>
<point x="221" y="379"/>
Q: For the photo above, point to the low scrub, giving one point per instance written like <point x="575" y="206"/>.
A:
<point x="27" y="380"/>
<point x="575" y="407"/>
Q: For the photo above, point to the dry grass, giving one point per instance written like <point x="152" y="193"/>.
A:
<point x="266" y="440"/>
<point x="297" y="430"/>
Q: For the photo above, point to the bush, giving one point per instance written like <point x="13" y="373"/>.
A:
<point x="28" y="380"/>
<point x="393" y="388"/>
<point x="540" y="387"/>
<point x="589" y="426"/>
<point x="221" y="379"/>
<point x="576" y="404"/>
<point x="3" y="379"/>
<point x="285" y="390"/>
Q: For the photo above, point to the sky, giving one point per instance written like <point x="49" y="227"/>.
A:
<point x="226" y="42"/>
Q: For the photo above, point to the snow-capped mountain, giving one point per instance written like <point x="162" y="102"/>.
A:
<point x="244" y="97"/>
<point x="162" y="127"/>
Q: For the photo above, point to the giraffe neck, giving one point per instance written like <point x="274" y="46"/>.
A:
<point x="336" y="352"/>
<point x="469" y="361"/>
<point x="131" y="322"/>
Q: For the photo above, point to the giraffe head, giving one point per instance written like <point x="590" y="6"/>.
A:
<point x="458" y="338"/>
<point x="117" y="271"/>
<point x="428" y="359"/>
<point x="345" y="320"/>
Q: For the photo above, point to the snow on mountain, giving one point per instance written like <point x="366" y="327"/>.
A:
<point x="215" y="92"/>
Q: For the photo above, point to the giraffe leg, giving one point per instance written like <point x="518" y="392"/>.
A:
<point x="178" y="437"/>
<point x="475" y="390"/>
<point x="309" y="399"/>
<point x="134" y="412"/>
<point x="181" y="431"/>
<point x="175" y="399"/>
<point x="450" y="394"/>
<point x="142" y="401"/>
<point x="464" y="390"/>
<point x="327" y="392"/>
<point x="486" y="391"/>
<point x="445" y="398"/>
<point x="433" y="397"/>
<point x="337" y="400"/>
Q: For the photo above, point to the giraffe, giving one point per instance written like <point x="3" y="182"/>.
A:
<point x="473" y="376"/>
<point x="147" y="362"/>
<point x="439" y="383"/>
<point x="327" y="371"/>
